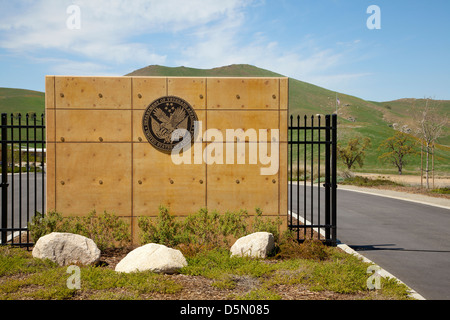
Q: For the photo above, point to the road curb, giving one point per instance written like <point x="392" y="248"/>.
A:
<point x="382" y="272"/>
<point x="371" y="192"/>
<point x="428" y="201"/>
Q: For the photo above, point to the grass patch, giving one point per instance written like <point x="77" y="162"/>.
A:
<point x="445" y="190"/>
<point x="97" y="278"/>
<point x="393" y="289"/>
<point x="216" y="263"/>
<point x="29" y="278"/>
<point x="346" y="275"/>
<point x="14" y="261"/>
<point x="45" y="283"/>
<point x="366" y="182"/>
<point x="259" y="294"/>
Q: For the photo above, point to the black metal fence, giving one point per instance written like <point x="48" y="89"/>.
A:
<point x="23" y="175"/>
<point x="312" y="154"/>
<point x="312" y="175"/>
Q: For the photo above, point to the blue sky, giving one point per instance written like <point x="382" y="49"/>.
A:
<point x="324" y="42"/>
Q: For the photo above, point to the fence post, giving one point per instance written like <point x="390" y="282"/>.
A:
<point x="327" y="176"/>
<point x="334" y="180"/>
<point x="4" y="184"/>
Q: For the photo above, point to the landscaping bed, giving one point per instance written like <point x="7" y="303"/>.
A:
<point x="293" y="271"/>
<point x="328" y="274"/>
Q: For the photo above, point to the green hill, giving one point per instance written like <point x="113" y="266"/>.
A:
<point x="22" y="101"/>
<point x="376" y="120"/>
<point x="236" y="70"/>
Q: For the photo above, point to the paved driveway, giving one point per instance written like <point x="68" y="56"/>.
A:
<point x="408" y="239"/>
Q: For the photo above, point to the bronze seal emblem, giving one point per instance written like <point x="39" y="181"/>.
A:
<point x="169" y="123"/>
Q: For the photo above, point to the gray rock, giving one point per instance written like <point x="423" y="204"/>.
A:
<point x="66" y="249"/>
<point x="153" y="257"/>
<point x="255" y="245"/>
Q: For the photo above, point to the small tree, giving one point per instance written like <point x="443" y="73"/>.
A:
<point x="354" y="152"/>
<point x="430" y="124"/>
<point x="397" y="149"/>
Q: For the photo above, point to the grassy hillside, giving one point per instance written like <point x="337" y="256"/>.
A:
<point x="20" y="100"/>
<point x="240" y="70"/>
<point x="356" y="116"/>
<point x="23" y="101"/>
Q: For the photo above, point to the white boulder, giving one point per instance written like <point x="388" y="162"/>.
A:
<point x="255" y="245"/>
<point x="66" y="249"/>
<point x="153" y="257"/>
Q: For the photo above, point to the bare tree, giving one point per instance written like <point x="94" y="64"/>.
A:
<point x="430" y="123"/>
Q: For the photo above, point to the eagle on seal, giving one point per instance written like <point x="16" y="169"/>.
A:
<point x="164" y="125"/>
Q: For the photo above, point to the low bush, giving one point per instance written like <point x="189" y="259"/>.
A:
<point x="106" y="230"/>
<point x="42" y="225"/>
<point x="163" y="230"/>
<point x="265" y="224"/>
<point x="290" y="248"/>
<point x="204" y="229"/>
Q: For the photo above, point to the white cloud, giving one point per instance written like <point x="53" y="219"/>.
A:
<point x="223" y="44"/>
<point x="106" y="26"/>
<point x="68" y="67"/>
<point x="133" y="34"/>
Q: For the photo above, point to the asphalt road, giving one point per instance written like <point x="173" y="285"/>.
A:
<point x="407" y="239"/>
<point x="25" y="209"/>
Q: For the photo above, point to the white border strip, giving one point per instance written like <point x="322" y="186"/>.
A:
<point x="395" y="197"/>
<point x="385" y="274"/>
<point x="374" y="193"/>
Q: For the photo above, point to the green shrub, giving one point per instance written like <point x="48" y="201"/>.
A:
<point x="290" y="248"/>
<point x="106" y="230"/>
<point x="204" y="229"/>
<point x="210" y="229"/>
<point x="445" y="190"/>
<point x="266" y="224"/>
<point x="42" y="225"/>
<point x="164" y="231"/>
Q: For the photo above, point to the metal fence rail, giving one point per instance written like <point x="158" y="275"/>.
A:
<point x="23" y="175"/>
<point x="23" y="192"/>
<point x="311" y="143"/>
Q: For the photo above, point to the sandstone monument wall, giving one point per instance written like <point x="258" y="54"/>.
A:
<point x="99" y="158"/>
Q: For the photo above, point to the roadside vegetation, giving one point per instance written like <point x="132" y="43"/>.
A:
<point x="367" y="182"/>
<point x="445" y="190"/>
<point x="381" y="182"/>
<point x="308" y="270"/>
